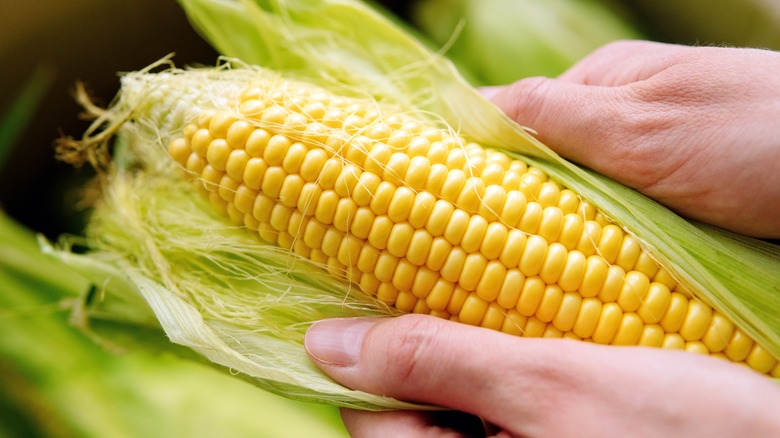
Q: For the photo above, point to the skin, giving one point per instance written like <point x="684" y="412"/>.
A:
<point x="535" y="387"/>
<point x="693" y="128"/>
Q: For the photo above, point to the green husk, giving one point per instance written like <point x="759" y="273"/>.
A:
<point x="740" y="23"/>
<point x="58" y="383"/>
<point x="246" y="306"/>
<point x="501" y="41"/>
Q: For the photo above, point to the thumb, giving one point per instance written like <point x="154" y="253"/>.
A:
<point x="430" y="360"/>
<point x="410" y="357"/>
<point x="531" y="386"/>
<point x="582" y="123"/>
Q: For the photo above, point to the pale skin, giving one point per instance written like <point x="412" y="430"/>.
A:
<point x="694" y="128"/>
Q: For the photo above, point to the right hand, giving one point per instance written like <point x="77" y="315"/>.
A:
<point x="695" y="128"/>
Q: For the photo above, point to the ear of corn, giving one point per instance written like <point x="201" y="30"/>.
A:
<point x="403" y="72"/>
<point x="373" y="196"/>
<point x="379" y="175"/>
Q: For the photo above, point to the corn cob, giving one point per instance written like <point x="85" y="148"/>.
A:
<point x="430" y="223"/>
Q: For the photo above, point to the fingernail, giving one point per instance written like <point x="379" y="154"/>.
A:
<point x="490" y="92"/>
<point x="337" y="341"/>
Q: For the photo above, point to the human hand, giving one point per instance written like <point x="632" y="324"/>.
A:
<point x="695" y="128"/>
<point x="537" y="387"/>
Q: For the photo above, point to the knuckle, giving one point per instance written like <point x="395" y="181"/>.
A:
<point x="409" y="345"/>
<point x="526" y="100"/>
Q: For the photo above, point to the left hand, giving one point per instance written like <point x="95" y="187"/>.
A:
<point x="536" y="387"/>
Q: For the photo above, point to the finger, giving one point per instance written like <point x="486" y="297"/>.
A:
<point x="412" y="423"/>
<point x="398" y="357"/>
<point x="385" y="424"/>
<point x="535" y="386"/>
<point x="608" y="129"/>
<point x="582" y="123"/>
<point x="429" y="360"/>
<point x="623" y="62"/>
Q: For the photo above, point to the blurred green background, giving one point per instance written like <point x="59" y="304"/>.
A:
<point x="54" y="380"/>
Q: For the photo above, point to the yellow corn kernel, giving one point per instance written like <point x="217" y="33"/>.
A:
<point x="367" y="259"/>
<point x="608" y="323"/>
<point x="432" y="224"/>
<point x="532" y="217"/>
<point x="457" y="300"/>
<point x="573" y="271"/>
<point x="406" y="302"/>
<point x="646" y="264"/>
<point x="554" y="260"/>
<point x="551" y="223"/>
<point x="494" y="317"/>
<point x="628" y="253"/>
<point x="492" y="202"/>
<point x="552" y="332"/>
<point x="272" y="181"/>
<point x="474" y="234"/>
<point x="514" y="323"/>
<point x="696" y="347"/>
<point x="513" y="208"/>
<point x="664" y="277"/>
<point x="440" y="216"/>
<point x="718" y="333"/>
<point x="403" y="275"/>
<point x="550" y="303"/>
<point x="673" y="341"/>
<point x="532" y="258"/>
<point x="452" y="185"/>
<point x="424" y="280"/>
<point x="609" y="242"/>
<point x="633" y="291"/>
<point x="596" y="270"/>
<point x="613" y="284"/>
<point x="739" y="346"/>
<point x="655" y="303"/>
<point x="399" y="239"/>
<point x="530" y="296"/>
<point x="534" y="327"/>
<point x="439" y="296"/>
<point x="652" y="336"/>
<point x="588" y="317"/>
<point x="696" y="321"/>
<point x="548" y="194"/>
<point x="456" y="226"/>
<point x="494" y="240"/>
<point x="568" y="201"/>
<point x="473" y="309"/>
<point x="675" y="314"/>
<point x="385" y="267"/>
<point x="591" y="232"/>
<point x="513" y="248"/>
<point x="491" y="281"/>
<point x="389" y="294"/>
<point x="510" y="289"/>
<point x="421" y="208"/>
<point x="440" y="249"/>
<point x="571" y="230"/>
<point x="473" y="268"/>
<point x="629" y="331"/>
<point x="568" y="310"/>
<point x="453" y="265"/>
